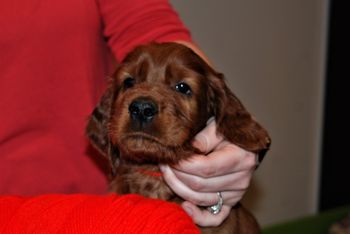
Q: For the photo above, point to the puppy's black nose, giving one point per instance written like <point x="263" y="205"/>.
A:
<point x="143" y="110"/>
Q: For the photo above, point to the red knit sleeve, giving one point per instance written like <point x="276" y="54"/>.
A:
<point x="133" y="22"/>
<point x="92" y="214"/>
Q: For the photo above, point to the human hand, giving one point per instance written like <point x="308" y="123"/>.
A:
<point x="226" y="168"/>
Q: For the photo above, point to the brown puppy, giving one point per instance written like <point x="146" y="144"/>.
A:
<point x="160" y="97"/>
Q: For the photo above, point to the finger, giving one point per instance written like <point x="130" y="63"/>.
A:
<point x="228" y="159"/>
<point x="207" y="139"/>
<point x="234" y="181"/>
<point x="198" y="198"/>
<point x="204" y="218"/>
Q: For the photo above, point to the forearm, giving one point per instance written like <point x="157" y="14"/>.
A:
<point x="131" y="23"/>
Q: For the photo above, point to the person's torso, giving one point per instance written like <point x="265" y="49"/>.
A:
<point x="53" y="64"/>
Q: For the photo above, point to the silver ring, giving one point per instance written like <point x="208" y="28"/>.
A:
<point x="215" y="209"/>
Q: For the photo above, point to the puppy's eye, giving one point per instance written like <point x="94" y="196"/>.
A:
<point x="183" y="88"/>
<point x="129" y="82"/>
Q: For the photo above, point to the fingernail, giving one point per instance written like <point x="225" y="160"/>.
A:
<point x="200" y="142"/>
<point x="188" y="210"/>
<point x="211" y="119"/>
<point x="162" y="168"/>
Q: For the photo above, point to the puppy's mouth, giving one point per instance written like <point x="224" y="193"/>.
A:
<point x="141" y="147"/>
<point x="140" y="139"/>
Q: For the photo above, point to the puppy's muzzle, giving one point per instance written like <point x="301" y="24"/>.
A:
<point x="143" y="110"/>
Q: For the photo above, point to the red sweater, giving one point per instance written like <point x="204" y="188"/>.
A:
<point x="78" y="214"/>
<point x="54" y="57"/>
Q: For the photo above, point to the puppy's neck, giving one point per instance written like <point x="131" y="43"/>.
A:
<point x="145" y="179"/>
<point x="141" y="174"/>
<point x="147" y="172"/>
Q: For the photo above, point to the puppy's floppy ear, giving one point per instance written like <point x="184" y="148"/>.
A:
<point x="233" y="121"/>
<point x="98" y="125"/>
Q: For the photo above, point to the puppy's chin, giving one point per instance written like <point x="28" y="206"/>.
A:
<point x="143" y="148"/>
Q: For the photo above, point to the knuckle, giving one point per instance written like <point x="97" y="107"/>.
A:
<point x="196" y="184"/>
<point x="208" y="172"/>
<point x="244" y="184"/>
<point x="251" y="160"/>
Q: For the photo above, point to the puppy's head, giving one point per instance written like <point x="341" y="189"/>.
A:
<point x="160" y="96"/>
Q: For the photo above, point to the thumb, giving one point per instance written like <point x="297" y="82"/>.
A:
<point x="204" y="218"/>
<point x="207" y="139"/>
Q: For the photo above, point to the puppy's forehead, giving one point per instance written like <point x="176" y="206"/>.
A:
<point x="163" y="53"/>
<point x="164" y="61"/>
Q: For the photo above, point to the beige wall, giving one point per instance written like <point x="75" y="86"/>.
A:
<point x="273" y="55"/>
